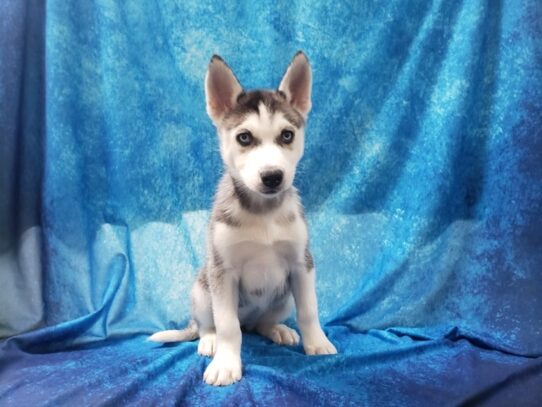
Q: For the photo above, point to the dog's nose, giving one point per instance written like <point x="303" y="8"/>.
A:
<point x="271" y="179"/>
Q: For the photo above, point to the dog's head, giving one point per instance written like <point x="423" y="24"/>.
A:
<point x="261" y="132"/>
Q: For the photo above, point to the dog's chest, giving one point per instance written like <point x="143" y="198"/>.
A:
<point x="263" y="271"/>
<point x="263" y="277"/>
<point x="276" y="234"/>
<point x="262" y="251"/>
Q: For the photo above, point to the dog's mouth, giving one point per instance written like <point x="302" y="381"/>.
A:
<point x="269" y="192"/>
<point x="261" y="190"/>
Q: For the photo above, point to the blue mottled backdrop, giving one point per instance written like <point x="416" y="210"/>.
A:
<point x="422" y="180"/>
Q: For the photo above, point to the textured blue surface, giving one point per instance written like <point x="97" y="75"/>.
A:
<point x="422" y="180"/>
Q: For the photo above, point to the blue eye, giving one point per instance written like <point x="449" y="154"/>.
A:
<point x="245" y="138"/>
<point x="287" y="136"/>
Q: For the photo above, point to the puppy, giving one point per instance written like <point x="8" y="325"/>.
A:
<point x="258" y="262"/>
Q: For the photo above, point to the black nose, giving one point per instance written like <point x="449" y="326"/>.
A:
<point x="271" y="179"/>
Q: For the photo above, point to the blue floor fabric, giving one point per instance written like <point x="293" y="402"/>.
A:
<point x="422" y="182"/>
<point x="373" y="368"/>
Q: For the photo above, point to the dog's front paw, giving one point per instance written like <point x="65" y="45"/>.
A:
<point x="319" y="346"/>
<point x="224" y="369"/>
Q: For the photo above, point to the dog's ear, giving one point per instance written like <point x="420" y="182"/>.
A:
<point x="221" y="89"/>
<point x="297" y="83"/>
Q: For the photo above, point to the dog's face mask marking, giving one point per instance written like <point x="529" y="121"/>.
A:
<point x="263" y="148"/>
<point x="261" y="132"/>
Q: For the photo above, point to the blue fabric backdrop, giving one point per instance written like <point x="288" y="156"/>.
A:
<point x="422" y="180"/>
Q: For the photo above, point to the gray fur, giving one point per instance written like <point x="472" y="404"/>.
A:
<point x="223" y="216"/>
<point x="215" y="274"/>
<point x="243" y="300"/>
<point x="309" y="261"/>
<point x="202" y="279"/>
<point x="230" y="190"/>
<point x="258" y="292"/>
<point x="217" y="259"/>
<point x="249" y="102"/>
<point x="253" y="203"/>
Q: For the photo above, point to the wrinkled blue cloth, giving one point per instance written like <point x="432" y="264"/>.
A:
<point x="422" y="181"/>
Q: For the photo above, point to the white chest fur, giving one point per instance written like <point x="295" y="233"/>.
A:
<point x="268" y="233"/>
<point x="262" y="251"/>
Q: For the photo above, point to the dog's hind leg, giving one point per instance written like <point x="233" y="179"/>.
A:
<point x="270" y="326"/>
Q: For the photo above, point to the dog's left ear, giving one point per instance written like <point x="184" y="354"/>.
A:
<point x="297" y="83"/>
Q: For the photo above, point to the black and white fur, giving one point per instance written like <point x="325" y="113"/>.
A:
<point x="258" y="264"/>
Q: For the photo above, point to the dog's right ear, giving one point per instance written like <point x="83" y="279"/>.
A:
<point x="221" y="89"/>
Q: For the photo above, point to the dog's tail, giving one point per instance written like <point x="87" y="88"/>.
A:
<point x="173" y="335"/>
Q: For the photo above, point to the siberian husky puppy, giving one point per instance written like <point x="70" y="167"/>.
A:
<point x="258" y="260"/>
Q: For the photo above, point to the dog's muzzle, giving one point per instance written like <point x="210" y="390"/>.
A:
<point x="271" y="180"/>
